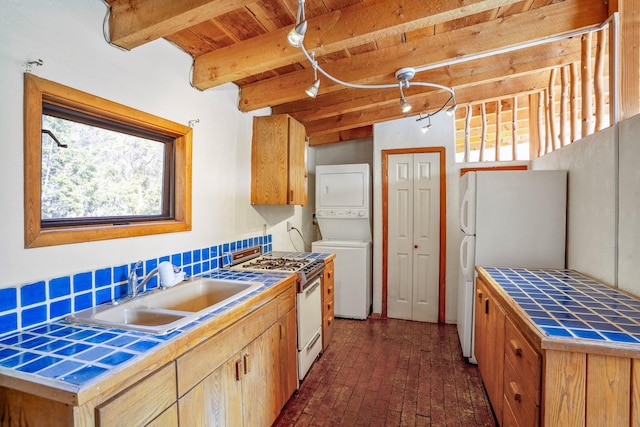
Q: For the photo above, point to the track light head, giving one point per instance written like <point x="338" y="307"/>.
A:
<point x="312" y="90"/>
<point x="425" y="128"/>
<point x="404" y="104"/>
<point x="296" y="35"/>
<point x="452" y="110"/>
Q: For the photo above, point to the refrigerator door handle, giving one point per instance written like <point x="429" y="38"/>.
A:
<point x="467" y="257"/>
<point x="465" y="213"/>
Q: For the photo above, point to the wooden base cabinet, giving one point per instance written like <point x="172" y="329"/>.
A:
<point x="248" y="387"/>
<point x="278" y="161"/>
<point x="489" y="344"/>
<point x="242" y="392"/>
<point x="242" y="374"/>
<point x="327" y="305"/>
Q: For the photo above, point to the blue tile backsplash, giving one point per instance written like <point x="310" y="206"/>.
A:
<point x="33" y="304"/>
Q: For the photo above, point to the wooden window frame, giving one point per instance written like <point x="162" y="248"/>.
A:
<point x="37" y="90"/>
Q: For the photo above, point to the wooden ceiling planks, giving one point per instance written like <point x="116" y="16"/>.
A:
<point x="362" y="41"/>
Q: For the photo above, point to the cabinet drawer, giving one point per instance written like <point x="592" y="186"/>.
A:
<point x="524" y="359"/>
<point x="508" y="419"/>
<point x="327" y="307"/>
<point x="286" y="301"/>
<point x="327" y="330"/>
<point x="328" y="282"/>
<point x="140" y="403"/>
<point x="524" y="410"/>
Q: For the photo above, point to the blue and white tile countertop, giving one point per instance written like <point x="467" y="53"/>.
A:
<point x="70" y="356"/>
<point x="564" y="304"/>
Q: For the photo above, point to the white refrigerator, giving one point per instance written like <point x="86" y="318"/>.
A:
<point x="507" y="219"/>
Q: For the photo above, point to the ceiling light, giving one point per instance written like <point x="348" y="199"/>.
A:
<point x="404" y="104"/>
<point x="452" y="110"/>
<point x="426" y="127"/>
<point x="296" y="35"/>
<point x="404" y="75"/>
<point x="312" y="90"/>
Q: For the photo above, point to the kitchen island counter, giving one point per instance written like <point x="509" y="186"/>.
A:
<point x="555" y="347"/>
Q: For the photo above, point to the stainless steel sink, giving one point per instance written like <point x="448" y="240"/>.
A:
<point x="163" y="310"/>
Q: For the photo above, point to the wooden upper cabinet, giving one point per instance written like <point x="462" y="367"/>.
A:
<point x="278" y="161"/>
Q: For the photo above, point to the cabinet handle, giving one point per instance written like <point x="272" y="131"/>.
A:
<point x="291" y="199"/>
<point x="517" y="350"/>
<point x="329" y="275"/>
<point x="514" y="389"/>
<point x="247" y="363"/>
<point x="238" y="370"/>
<point x="480" y="294"/>
<point x="281" y="331"/>
<point x="486" y="306"/>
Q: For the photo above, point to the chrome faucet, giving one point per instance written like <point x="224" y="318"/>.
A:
<point x="133" y="286"/>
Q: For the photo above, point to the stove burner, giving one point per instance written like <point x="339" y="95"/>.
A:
<point x="281" y="264"/>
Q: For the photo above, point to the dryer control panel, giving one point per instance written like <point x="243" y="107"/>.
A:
<point x="343" y="213"/>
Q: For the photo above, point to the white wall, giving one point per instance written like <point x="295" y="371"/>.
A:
<point x="406" y="133"/>
<point x="591" y="202"/>
<point x="154" y="78"/>
<point x="629" y="206"/>
<point x="347" y="152"/>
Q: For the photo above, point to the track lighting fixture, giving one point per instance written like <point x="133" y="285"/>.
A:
<point x="403" y="75"/>
<point x="296" y="35"/>
<point x="426" y="127"/>
<point x="312" y="90"/>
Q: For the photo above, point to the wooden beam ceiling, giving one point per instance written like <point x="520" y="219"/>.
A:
<point x="460" y="43"/>
<point x="353" y="26"/>
<point x="133" y="23"/>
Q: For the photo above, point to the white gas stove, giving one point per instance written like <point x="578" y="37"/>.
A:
<point x="308" y="299"/>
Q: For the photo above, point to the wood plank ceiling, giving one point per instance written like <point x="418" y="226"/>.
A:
<point x="464" y="44"/>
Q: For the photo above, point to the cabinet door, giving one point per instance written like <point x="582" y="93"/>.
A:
<point x="481" y="318"/>
<point x="490" y="330"/>
<point x="298" y="191"/>
<point x="278" y="161"/>
<point x="216" y="400"/>
<point x="287" y="357"/>
<point x="261" y="376"/>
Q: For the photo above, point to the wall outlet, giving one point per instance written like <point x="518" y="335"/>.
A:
<point x="289" y="226"/>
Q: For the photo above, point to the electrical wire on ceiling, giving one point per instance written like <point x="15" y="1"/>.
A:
<point x="295" y="37"/>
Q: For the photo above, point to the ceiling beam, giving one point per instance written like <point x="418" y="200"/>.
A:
<point x="341" y="29"/>
<point x="346" y="135"/>
<point x="379" y="66"/>
<point x="133" y="23"/>
<point x="491" y="90"/>
<point x="488" y="69"/>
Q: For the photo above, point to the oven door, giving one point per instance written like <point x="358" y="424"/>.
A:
<point x="309" y="312"/>
<point x="309" y="316"/>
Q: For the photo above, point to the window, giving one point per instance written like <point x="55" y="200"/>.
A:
<point x="96" y="170"/>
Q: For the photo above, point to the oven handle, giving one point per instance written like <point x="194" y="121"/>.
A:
<point x="314" y="340"/>
<point x="309" y="291"/>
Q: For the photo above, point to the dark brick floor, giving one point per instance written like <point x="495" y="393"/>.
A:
<point x="390" y="373"/>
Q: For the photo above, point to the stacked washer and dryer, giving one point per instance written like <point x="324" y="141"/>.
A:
<point x="343" y="213"/>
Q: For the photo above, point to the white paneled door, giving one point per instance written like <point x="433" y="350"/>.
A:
<point x="413" y="236"/>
